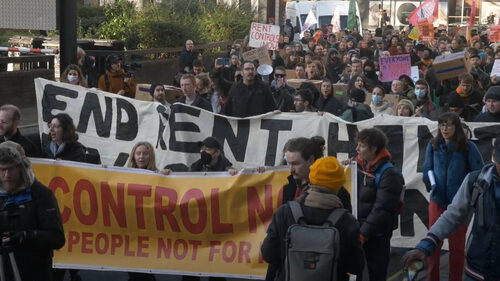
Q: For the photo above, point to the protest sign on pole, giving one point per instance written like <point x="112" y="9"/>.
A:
<point x="495" y="33"/>
<point x="264" y="35"/>
<point x="308" y="23"/>
<point x="393" y="67"/>
<point x="426" y="31"/>
<point x="414" y="33"/>
<point x="261" y="54"/>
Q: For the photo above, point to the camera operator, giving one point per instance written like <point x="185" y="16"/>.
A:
<point x="116" y="79"/>
<point x="30" y="222"/>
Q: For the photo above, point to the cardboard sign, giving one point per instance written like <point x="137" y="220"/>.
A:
<point x="426" y="31"/>
<point x="450" y="65"/>
<point x="393" y="67"/>
<point x="171" y="93"/>
<point x="297" y="82"/>
<point x="261" y="54"/>
<point x="496" y="68"/>
<point x="495" y="33"/>
<point x="264" y="35"/>
<point x="340" y="91"/>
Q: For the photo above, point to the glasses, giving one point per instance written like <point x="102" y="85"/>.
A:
<point x="299" y="100"/>
<point x="248" y="68"/>
<point x="279" y="75"/>
<point x="446" y="125"/>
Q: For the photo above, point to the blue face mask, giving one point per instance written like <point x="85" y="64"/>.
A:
<point x="376" y="99"/>
<point x="420" y="93"/>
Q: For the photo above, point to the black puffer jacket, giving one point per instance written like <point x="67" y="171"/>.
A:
<point x="245" y="101"/>
<point x="41" y="215"/>
<point x="350" y="256"/>
<point x="378" y="207"/>
<point x="73" y="151"/>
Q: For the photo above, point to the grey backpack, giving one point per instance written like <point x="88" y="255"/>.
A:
<point x="312" y="251"/>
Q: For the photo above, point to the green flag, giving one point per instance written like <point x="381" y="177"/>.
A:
<point x="351" y="19"/>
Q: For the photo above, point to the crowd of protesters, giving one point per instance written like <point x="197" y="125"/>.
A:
<point x="324" y="59"/>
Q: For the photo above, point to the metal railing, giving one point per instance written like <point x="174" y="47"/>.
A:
<point x="28" y="62"/>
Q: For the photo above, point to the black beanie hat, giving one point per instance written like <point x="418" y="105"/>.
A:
<point x="454" y="100"/>
<point x="493" y="93"/>
<point x="357" y="95"/>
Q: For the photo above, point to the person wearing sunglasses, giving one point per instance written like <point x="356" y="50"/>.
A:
<point x="282" y="92"/>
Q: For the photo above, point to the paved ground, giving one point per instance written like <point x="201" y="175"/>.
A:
<point x="395" y="272"/>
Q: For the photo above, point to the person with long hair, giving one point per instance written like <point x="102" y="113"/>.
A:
<point x="73" y="75"/>
<point x="62" y="141"/>
<point x="327" y="102"/>
<point x="142" y="156"/>
<point x="358" y="81"/>
<point x="449" y="157"/>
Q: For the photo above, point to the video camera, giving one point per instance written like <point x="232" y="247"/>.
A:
<point x="130" y="68"/>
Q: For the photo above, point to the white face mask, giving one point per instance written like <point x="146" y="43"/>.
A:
<point x="72" y="78"/>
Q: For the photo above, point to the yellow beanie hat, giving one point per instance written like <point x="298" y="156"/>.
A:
<point x="327" y="172"/>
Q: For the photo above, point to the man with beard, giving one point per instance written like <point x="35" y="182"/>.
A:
<point x="30" y="221"/>
<point x="10" y="116"/>
<point x="250" y="96"/>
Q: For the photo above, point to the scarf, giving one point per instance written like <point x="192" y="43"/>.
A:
<point x="322" y="198"/>
<point x="55" y="149"/>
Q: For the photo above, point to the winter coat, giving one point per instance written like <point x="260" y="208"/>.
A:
<point x="116" y="83"/>
<point x="350" y="254"/>
<point x="30" y="149"/>
<point x="378" y="206"/>
<point x="385" y="108"/>
<point x="450" y="168"/>
<point x="222" y="165"/>
<point x="483" y="245"/>
<point x="487" y="117"/>
<point x="330" y="104"/>
<point x="251" y="100"/>
<point x="198" y="102"/>
<point x="283" y="98"/>
<point x="73" y="151"/>
<point x="357" y="113"/>
<point x="36" y="210"/>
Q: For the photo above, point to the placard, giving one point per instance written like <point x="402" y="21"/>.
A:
<point x="261" y="54"/>
<point x="393" y="67"/>
<point x="495" y="33"/>
<point x="426" y="31"/>
<point x="264" y="35"/>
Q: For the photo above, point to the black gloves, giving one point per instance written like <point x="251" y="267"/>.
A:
<point x="13" y="239"/>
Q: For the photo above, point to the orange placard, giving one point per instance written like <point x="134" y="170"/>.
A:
<point x="426" y="31"/>
<point x="495" y="33"/>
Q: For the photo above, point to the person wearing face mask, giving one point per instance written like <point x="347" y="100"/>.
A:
<point x="424" y="107"/>
<point x="378" y="105"/>
<point x="212" y="158"/>
<point x="73" y="75"/>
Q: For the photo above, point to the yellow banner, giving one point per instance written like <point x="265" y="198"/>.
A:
<point x="135" y="220"/>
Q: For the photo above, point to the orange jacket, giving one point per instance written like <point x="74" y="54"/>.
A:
<point x="116" y="83"/>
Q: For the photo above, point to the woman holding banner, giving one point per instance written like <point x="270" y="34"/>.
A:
<point x="448" y="159"/>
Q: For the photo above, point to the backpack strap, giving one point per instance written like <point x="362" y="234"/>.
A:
<point x="296" y="211"/>
<point x="380" y="171"/>
<point x="479" y="183"/>
<point x="106" y="81"/>
<point x="335" y="216"/>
